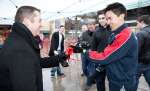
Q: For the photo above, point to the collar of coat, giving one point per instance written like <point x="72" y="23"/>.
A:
<point x="25" y="33"/>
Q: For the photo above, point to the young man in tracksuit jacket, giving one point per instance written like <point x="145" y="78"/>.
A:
<point x="143" y="22"/>
<point x="120" y="57"/>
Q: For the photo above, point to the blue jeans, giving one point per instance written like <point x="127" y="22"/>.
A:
<point x="84" y="64"/>
<point x="87" y="68"/>
<point x="145" y="70"/>
<point x="56" y="69"/>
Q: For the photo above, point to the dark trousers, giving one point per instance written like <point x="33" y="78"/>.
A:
<point x="100" y="81"/>
<point x="99" y="77"/>
<point x="90" y="70"/>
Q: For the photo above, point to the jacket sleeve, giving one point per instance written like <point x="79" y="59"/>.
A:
<point x="82" y="38"/>
<point x="48" y="62"/>
<point x="94" y="42"/>
<point x="140" y="37"/>
<point x="52" y="46"/>
<point x="22" y="71"/>
<point x="114" y="51"/>
<point x="62" y="43"/>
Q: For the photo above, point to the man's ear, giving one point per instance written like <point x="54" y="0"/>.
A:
<point x="25" y="21"/>
<point x="122" y="15"/>
<point x="142" y="22"/>
<point x="32" y="19"/>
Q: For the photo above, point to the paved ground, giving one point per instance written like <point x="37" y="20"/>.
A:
<point x="73" y="81"/>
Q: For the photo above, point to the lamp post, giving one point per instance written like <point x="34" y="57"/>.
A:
<point x="77" y="25"/>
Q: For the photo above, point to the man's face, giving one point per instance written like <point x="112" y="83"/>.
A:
<point x="37" y="23"/>
<point x="34" y="23"/>
<point x="102" y="20"/>
<point x="1" y="40"/>
<point x="91" y="27"/>
<point x="62" y="29"/>
<point x="139" y="24"/>
<point x="113" y="20"/>
<point x="84" y="27"/>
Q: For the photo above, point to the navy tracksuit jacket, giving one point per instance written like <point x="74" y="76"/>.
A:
<point x="120" y="58"/>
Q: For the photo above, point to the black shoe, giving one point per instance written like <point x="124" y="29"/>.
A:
<point x="86" y="87"/>
<point x="82" y="74"/>
<point x="52" y="76"/>
<point x="61" y="75"/>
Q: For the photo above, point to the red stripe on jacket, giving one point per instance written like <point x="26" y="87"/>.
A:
<point x="119" y="41"/>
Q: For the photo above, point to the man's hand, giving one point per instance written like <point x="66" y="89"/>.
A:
<point x="56" y="52"/>
<point x="62" y="59"/>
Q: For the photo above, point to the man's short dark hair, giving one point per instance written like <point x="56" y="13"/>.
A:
<point x="116" y="8"/>
<point x="145" y="19"/>
<point x="100" y="12"/>
<point x="61" y="26"/>
<point x="25" y="11"/>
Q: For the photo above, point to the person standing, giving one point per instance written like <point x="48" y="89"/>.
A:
<point x="57" y="47"/>
<point x="120" y="57"/>
<point x="99" y="42"/>
<point x="20" y="61"/>
<point x="87" y="66"/>
<point x="143" y="23"/>
<point x="84" y="28"/>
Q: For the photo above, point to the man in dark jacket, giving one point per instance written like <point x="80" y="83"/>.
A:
<point x="20" y="62"/>
<point x="87" y="38"/>
<point x="143" y="36"/>
<point x="57" y="47"/>
<point x="99" y="42"/>
<point x="120" y="57"/>
<point x="87" y="66"/>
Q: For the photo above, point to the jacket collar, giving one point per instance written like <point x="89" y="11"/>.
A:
<point x="107" y="28"/>
<point x="25" y="33"/>
<point x="119" y="29"/>
<point x="148" y="26"/>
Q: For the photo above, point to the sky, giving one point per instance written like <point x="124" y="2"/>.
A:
<point x="53" y="9"/>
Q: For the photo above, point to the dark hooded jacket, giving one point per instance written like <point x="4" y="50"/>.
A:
<point x="144" y="45"/>
<point x="100" y="38"/>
